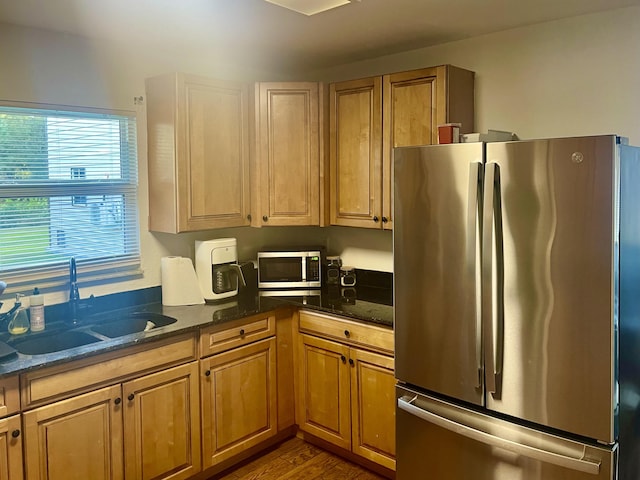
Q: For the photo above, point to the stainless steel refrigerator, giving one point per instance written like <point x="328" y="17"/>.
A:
<point x="517" y="310"/>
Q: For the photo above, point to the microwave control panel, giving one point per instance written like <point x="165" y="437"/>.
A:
<point x="313" y="269"/>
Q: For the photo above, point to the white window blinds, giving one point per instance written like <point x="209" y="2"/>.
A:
<point x="68" y="188"/>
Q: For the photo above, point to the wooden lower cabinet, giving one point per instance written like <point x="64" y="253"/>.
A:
<point x="76" y="439"/>
<point x="373" y="407"/>
<point x="146" y="428"/>
<point x="239" y="400"/>
<point x="324" y="397"/>
<point x="162" y="424"/>
<point x="346" y="396"/>
<point x="11" y="449"/>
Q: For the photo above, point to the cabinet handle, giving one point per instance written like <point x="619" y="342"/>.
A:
<point x="242" y="332"/>
<point x="249" y="217"/>
<point x="343" y="358"/>
<point x="15" y="433"/>
<point x="131" y="397"/>
<point x="117" y="401"/>
<point x="351" y="362"/>
<point x="375" y="218"/>
<point x="207" y="373"/>
<point x="265" y="218"/>
<point x="347" y="333"/>
<point x="385" y="219"/>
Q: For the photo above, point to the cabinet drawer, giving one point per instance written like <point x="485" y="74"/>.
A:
<point x="220" y="338"/>
<point x="48" y="384"/>
<point x="368" y="336"/>
<point x="9" y="396"/>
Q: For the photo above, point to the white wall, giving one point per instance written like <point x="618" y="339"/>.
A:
<point x="577" y="76"/>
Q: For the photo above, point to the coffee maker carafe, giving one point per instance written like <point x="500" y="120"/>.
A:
<point x="217" y="268"/>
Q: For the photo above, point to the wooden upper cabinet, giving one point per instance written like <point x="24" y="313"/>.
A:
<point x="198" y="141"/>
<point x="410" y="107"/>
<point x="287" y="159"/>
<point x="355" y="142"/>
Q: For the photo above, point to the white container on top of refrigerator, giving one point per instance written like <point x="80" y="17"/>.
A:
<point x="516" y="266"/>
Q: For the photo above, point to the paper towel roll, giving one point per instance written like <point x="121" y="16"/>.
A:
<point x="179" y="282"/>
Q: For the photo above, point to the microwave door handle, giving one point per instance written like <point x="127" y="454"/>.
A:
<point x="475" y="184"/>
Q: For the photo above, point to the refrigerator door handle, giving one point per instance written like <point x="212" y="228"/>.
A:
<point x="492" y="278"/>
<point x="579" y="464"/>
<point x="475" y="183"/>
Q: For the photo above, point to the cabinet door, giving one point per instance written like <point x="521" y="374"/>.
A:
<point x="239" y="400"/>
<point x="414" y="103"/>
<point x="373" y="409"/>
<point x="323" y="390"/>
<point x="162" y="425"/>
<point x="214" y="178"/>
<point x="76" y="439"/>
<point x="288" y="153"/>
<point x="10" y="449"/>
<point x="355" y="143"/>
<point x="198" y="140"/>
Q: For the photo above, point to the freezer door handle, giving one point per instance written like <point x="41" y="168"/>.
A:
<point x="578" y="464"/>
<point x="475" y="186"/>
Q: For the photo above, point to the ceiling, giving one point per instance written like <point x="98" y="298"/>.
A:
<point x="269" y="36"/>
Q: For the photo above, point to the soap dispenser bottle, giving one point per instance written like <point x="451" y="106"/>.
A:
<point x="19" y="323"/>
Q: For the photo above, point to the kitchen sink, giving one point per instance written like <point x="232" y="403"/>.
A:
<point x="59" y="340"/>
<point x="132" y="323"/>
<point x="52" y="342"/>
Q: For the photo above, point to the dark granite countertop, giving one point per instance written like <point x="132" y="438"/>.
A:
<point x="366" y="305"/>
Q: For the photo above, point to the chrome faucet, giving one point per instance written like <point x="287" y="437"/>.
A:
<point x="74" y="294"/>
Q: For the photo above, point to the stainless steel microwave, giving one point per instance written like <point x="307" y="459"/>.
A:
<point x="290" y="269"/>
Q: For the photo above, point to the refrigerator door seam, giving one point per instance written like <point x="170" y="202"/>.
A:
<point x="578" y="464"/>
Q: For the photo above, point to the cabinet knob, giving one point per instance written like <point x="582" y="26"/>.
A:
<point x="385" y="219"/>
<point x="351" y="362"/>
<point x="117" y="401"/>
<point x="347" y="333"/>
<point x="343" y="358"/>
<point x="375" y="218"/>
<point x="265" y="218"/>
<point x="131" y="397"/>
<point x="15" y="433"/>
<point x="242" y="332"/>
<point x="207" y="373"/>
<point x="249" y="217"/>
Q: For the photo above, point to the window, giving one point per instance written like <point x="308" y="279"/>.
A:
<point x="68" y="188"/>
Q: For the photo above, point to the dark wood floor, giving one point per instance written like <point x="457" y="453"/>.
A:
<point x="296" y="459"/>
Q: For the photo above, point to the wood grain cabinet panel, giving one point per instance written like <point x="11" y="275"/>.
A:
<point x="11" y="448"/>
<point x="76" y="439"/>
<point x="198" y="141"/>
<point x="370" y="117"/>
<point x="239" y="400"/>
<point x="162" y="424"/>
<point x="355" y="143"/>
<point x="346" y="394"/>
<point x="373" y="407"/>
<point x="323" y="407"/>
<point x="288" y="160"/>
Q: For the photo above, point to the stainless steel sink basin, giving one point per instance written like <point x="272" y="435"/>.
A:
<point x="133" y="323"/>
<point x="52" y="342"/>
